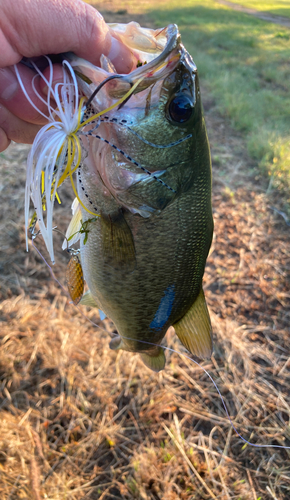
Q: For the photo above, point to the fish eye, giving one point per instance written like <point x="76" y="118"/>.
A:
<point x="180" y="108"/>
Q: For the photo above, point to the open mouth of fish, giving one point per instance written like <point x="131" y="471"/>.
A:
<point x="116" y="159"/>
<point x="155" y="53"/>
<point x="113" y="131"/>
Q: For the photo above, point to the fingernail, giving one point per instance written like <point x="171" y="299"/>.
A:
<point x="121" y="56"/>
<point x="114" y="50"/>
<point x="8" y="84"/>
<point x="54" y="83"/>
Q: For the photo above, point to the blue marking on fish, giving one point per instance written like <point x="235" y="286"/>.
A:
<point x="164" y="309"/>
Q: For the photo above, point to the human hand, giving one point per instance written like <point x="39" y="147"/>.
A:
<point x="30" y="28"/>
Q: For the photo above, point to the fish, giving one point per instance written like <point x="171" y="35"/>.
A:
<point x="143" y="213"/>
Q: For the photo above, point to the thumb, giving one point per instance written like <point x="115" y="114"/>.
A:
<point x="35" y="27"/>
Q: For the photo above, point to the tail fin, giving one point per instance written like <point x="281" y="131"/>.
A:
<point x="194" y="329"/>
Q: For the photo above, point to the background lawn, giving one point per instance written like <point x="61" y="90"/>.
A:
<point x="278" y="7"/>
<point x="244" y="63"/>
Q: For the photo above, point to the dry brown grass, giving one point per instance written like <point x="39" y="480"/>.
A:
<point x="81" y="421"/>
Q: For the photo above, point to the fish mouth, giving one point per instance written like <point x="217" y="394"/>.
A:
<point x="159" y="56"/>
<point x="156" y="52"/>
<point x="117" y="164"/>
<point x="117" y="141"/>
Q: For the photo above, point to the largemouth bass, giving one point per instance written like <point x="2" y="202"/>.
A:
<point x="143" y="211"/>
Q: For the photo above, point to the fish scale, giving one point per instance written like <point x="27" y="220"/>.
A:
<point x="144" y="256"/>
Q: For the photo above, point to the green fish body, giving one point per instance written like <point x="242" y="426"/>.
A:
<point x="143" y="258"/>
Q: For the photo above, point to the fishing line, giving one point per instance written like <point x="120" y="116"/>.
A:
<point x="113" y="106"/>
<point x="282" y="214"/>
<point x="168" y="349"/>
<point x="113" y="121"/>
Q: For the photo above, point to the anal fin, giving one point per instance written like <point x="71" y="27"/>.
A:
<point x="117" y="242"/>
<point x="88" y="300"/>
<point x="194" y="329"/>
<point x="116" y="343"/>
<point x="155" y="363"/>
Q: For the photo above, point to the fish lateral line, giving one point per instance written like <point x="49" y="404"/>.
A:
<point x="137" y="164"/>
<point x="115" y="121"/>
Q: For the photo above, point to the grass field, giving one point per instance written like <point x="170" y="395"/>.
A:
<point x="245" y="63"/>
<point x="278" y="7"/>
<point x="79" y="421"/>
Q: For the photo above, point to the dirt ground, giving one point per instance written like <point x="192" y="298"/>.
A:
<point x="81" y="421"/>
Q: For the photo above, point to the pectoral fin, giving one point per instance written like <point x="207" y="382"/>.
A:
<point x="155" y="363"/>
<point x="117" y="242"/>
<point x="194" y="329"/>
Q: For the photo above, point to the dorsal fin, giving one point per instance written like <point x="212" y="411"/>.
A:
<point x="194" y="329"/>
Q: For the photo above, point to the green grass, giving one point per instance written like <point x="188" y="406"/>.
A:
<point x="278" y="7"/>
<point x="245" y="63"/>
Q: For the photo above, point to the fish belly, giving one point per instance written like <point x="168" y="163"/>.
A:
<point x="170" y="251"/>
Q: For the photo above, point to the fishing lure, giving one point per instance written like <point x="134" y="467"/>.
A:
<point x="74" y="271"/>
<point x="74" y="277"/>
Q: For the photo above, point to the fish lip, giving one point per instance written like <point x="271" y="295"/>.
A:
<point x="173" y="47"/>
<point x="149" y="71"/>
<point x="173" y="40"/>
